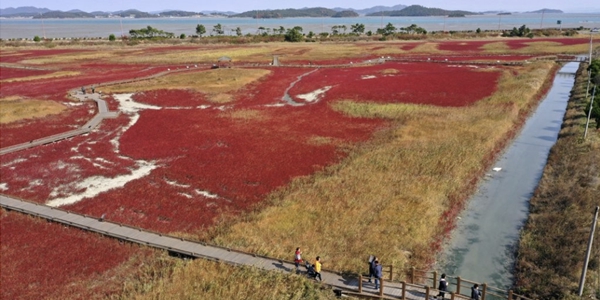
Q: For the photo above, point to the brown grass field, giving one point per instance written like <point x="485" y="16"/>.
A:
<point x="15" y="109"/>
<point x="396" y="195"/>
<point x="216" y="84"/>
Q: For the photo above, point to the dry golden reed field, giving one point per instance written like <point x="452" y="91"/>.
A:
<point x="395" y="195"/>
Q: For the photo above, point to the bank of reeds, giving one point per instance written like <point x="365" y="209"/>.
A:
<point x="398" y="195"/>
<point x="200" y="279"/>
<point x="554" y="239"/>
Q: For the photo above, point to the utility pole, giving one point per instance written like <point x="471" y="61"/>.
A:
<point x="587" y="254"/>
<point x="587" y="91"/>
<point x="43" y="27"/>
<point x="587" y="123"/>
<point x="542" y="22"/>
<point x="499" y="20"/>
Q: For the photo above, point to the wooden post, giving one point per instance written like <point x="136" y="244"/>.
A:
<point x="458" y="285"/>
<point x="483" y="290"/>
<point x="451" y="295"/>
<point x="381" y="287"/>
<point x="391" y="272"/>
<point x="412" y="275"/>
<point x="426" y="292"/>
<point x="403" y="289"/>
<point x="510" y="296"/>
<point x="360" y="280"/>
<point x="434" y="279"/>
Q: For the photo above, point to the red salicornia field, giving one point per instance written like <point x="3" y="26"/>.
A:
<point x="192" y="144"/>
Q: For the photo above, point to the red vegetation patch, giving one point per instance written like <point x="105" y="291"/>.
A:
<point x="515" y="44"/>
<point x="474" y="46"/>
<point x="420" y="83"/>
<point x="57" y="88"/>
<point x="29" y="54"/>
<point x="42" y="260"/>
<point x="473" y="57"/>
<point x="172" y="98"/>
<point x="9" y="73"/>
<point x="30" y="129"/>
<point x="211" y="162"/>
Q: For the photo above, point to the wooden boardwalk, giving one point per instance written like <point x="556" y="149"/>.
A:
<point x="103" y="113"/>
<point x="346" y="283"/>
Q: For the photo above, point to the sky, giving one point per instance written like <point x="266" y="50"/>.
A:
<point x="246" y="5"/>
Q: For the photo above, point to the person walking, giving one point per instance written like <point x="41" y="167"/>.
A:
<point x="83" y="90"/>
<point x="93" y="90"/>
<point x="318" y="268"/>
<point x="378" y="272"/>
<point x="475" y="292"/>
<point x="372" y="260"/>
<point x="298" y="259"/>
<point x="443" y="287"/>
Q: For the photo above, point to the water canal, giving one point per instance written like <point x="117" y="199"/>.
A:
<point x="482" y="246"/>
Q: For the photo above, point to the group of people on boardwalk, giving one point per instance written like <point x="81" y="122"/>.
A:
<point x="443" y="288"/>
<point x="376" y="273"/>
<point x="313" y="270"/>
<point x="91" y="88"/>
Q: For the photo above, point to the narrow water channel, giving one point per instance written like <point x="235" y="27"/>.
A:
<point x="482" y="247"/>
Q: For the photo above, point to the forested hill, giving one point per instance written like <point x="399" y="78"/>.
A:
<point x="421" y="11"/>
<point x="287" y="13"/>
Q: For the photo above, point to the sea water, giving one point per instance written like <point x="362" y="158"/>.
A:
<point x="103" y="27"/>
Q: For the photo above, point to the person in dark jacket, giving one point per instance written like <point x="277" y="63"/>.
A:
<point x="378" y="272"/>
<point x="475" y="292"/>
<point x="443" y="287"/>
<point x="372" y="260"/>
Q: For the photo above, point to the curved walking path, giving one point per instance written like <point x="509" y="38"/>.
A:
<point x="103" y="113"/>
<point x="348" y="283"/>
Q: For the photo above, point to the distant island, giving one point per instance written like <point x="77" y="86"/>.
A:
<point x="504" y="14"/>
<point x="546" y="11"/>
<point x="345" y="14"/>
<point x="422" y="11"/>
<point x="287" y="13"/>
<point x="318" y="12"/>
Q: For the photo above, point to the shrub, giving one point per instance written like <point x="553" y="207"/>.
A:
<point x="36" y="39"/>
<point x="182" y="36"/>
<point x="112" y="38"/>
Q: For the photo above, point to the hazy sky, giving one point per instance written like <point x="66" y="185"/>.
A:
<point x="245" y="5"/>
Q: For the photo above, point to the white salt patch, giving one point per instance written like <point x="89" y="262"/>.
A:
<point x="206" y="194"/>
<point x="36" y="182"/>
<point x="178" y="107"/>
<point x="61" y="164"/>
<point x="13" y="162"/>
<point x="127" y="105"/>
<point x="72" y="104"/>
<point x="368" y="77"/>
<point x="98" y="184"/>
<point x="102" y="160"/>
<point x="177" y="184"/>
<point x="3" y="186"/>
<point x="315" y="95"/>
<point x="275" y="105"/>
<point x="186" y="195"/>
<point x="203" y="106"/>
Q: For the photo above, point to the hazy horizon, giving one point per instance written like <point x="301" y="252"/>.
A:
<point x="242" y="6"/>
